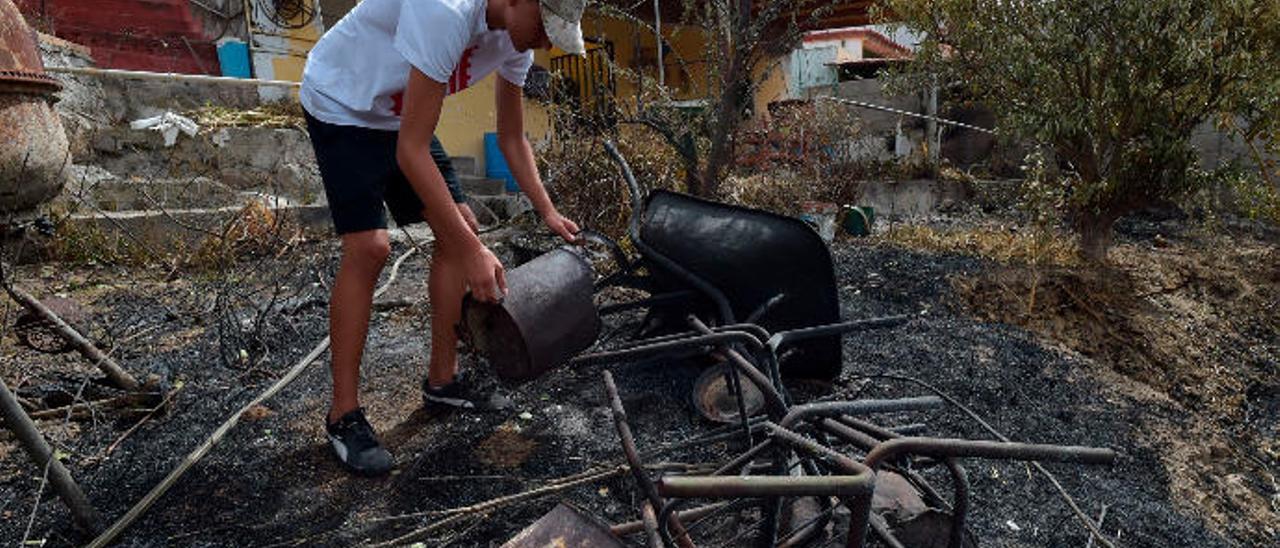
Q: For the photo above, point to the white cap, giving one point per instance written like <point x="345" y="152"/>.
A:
<point x="563" y="21"/>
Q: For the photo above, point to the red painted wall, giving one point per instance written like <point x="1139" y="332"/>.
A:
<point x="154" y="35"/>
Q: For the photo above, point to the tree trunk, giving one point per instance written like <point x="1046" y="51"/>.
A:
<point x="1095" y="229"/>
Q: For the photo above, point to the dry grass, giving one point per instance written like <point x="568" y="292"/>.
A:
<point x="1000" y="244"/>
<point x="283" y="114"/>
<point x="588" y="186"/>
<point x="255" y="230"/>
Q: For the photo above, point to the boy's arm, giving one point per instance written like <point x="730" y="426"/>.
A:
<point x="515" y="148"/>
<point x="423" y="99"/>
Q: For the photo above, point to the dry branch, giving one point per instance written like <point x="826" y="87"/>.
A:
<point x="485" y="507"/>
<point x="77" y="410"/>
<point x="119" y="377"/>
<point x="42" y="454"/>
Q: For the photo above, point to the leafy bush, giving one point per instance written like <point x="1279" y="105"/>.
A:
<point x="1113" y="90"/>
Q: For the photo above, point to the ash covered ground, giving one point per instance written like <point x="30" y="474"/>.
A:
<point x="272" y="481"/>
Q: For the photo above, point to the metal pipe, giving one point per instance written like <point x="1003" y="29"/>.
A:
<point x="950" y="447"/>
<point x="692" y="514"/>
<point x="657" y="36"/>
<point x="633" y="457"/>
<point x="650" y="350"/>
<point x="882" y="531"/>
<point x="858" y="407"/>
<point x="863" y="440"/>
<point x="739" y="328"/>
<point x="760" y="486"/>
<point x="650" y="523"/>
<point x="773" y="399"/>
<point x="786" y="338"/>
<point x="733" y="466"/>
<point x="858" y="504"/>
<point x="637" y="198"/>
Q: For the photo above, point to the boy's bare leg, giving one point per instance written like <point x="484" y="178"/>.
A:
<point x="446" y="286"/>
<point x="363" y="256"/>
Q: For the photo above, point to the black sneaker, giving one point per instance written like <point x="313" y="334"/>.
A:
<point x="462" y="394"/>
<point x="356" y="447"/>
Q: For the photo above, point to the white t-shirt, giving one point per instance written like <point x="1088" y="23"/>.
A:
<point x="356" y="74"/>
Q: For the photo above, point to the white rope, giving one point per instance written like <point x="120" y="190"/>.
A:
<point x="197" y="78"/>
<point x="872" y="106"/>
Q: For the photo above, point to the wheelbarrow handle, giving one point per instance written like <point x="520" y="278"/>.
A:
<point x="587" y="235"/>
<point x="637" y="197"/>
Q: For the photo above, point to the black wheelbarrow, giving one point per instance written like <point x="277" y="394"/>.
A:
<point x="730" y="264"/>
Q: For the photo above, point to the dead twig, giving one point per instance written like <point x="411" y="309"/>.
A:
<point x="76" y="410"/>
<point x="455" y="514"/>
<point x="160" y="489"/>
<point x="163" y="404"/>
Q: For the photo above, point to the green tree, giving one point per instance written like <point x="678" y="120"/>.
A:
<point x="1111" y="88"/>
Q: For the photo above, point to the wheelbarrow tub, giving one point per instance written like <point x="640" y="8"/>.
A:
<point x="751" y="256"/>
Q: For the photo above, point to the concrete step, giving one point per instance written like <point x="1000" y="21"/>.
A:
<point x="503" y="207"/>
<point x="466" y="165"/>
<point x="482" y="186"/>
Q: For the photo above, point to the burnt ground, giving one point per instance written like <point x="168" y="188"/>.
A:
<point x="1196" y="433"/>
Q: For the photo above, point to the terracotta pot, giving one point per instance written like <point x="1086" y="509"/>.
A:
<point x="33" y="147"/>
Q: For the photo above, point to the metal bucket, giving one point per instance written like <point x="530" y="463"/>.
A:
<point x="751" y="256"/>
<point x="34" y="157"/>
<point x="547" y="317"/>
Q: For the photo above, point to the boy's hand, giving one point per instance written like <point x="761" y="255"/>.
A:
<point x="485" y="276"/>
<point x="560" y="225"/>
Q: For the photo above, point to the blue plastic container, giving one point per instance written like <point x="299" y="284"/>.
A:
<point x="233" y="56"/>
<point x="495" y="164"/>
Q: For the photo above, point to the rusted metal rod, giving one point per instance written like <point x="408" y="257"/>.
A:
<point x="118" y="376"/>
<point x="858" y="407"/>
<point x="633" y="459"/>
<point x="745" y="328"/>
<point x="733" y="466"/>
<point x="852" y="482"/>
<point x="955" y="448"/>
<point x="692" y="514"/>
<point x="786" y="338"/>
<point x="666" y="347"/>
<point x="722" y="487"/>
<point x="42" y="455"/>
<point x="650" y="522"/>
<point x="949" y="447"/>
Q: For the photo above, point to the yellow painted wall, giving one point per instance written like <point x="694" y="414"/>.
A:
<point x="634" y="47"/>
<point x="772" y="88"/>
<point x="471" y="113"/>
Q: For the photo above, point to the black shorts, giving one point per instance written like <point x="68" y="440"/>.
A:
<point x="361" y="174"/>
